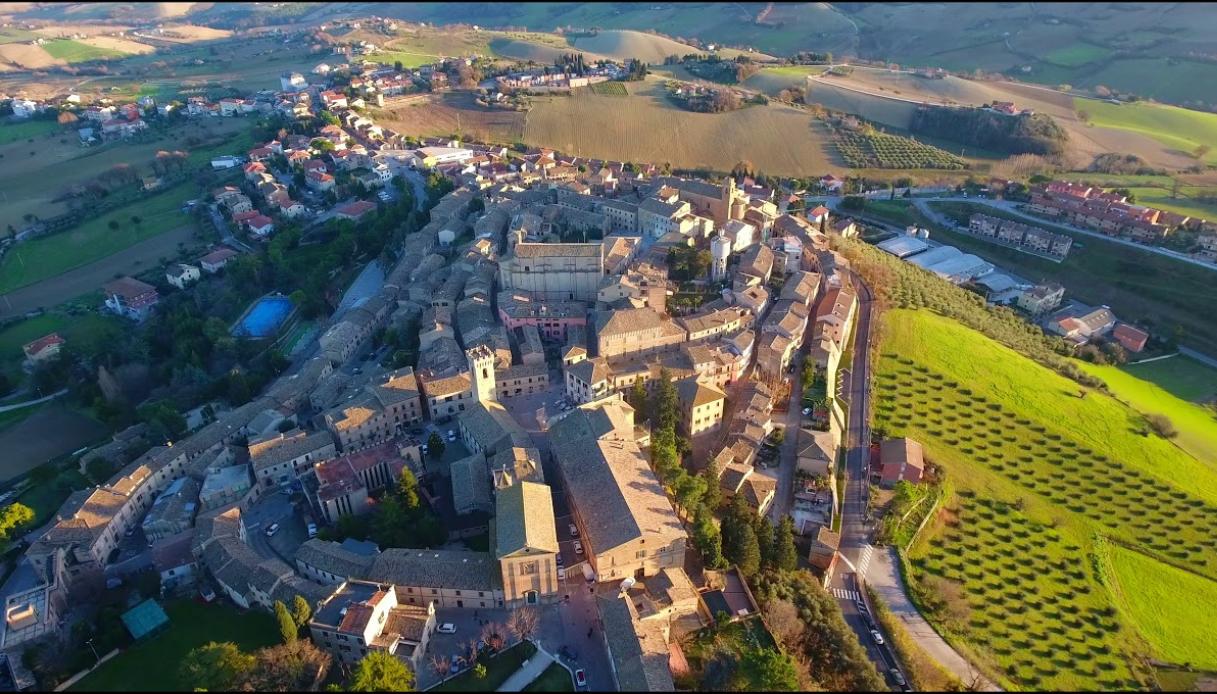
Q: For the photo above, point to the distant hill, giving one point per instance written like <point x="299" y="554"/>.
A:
<point x="1019" y="134"/>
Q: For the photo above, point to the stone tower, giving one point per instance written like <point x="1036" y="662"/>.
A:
<point x="481" y="372"/>
<point x="720" y="250"/>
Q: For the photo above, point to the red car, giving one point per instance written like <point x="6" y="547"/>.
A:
<point x="580" y="678"/>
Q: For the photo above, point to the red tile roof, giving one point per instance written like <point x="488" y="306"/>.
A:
<point x="1133" y="339"/>
<point x="356" y="209"/>
<point x="33" y="348"/>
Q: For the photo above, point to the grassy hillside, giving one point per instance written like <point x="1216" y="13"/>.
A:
<point x="1162" y="601"/>
<point x="1184" y="378"/>
<point x="1179" y="128"/>
<point x="1197" y="425"/>
<point x="1009" y="570"/>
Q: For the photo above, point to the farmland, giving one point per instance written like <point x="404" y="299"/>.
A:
<point x="1139" y="286"/>
<point x="1179" y="128"/>
<point x="76" y="330"/>
<point x="772" y="80"/>
<point x="1037" y="468"/>
<point x="23" y="130"/>
<point x="884" y="151"/>
<point x="71" y="51"/>
<point x="51" y="255"/>
<point x="644" y="127"/>
<point x="1184" y="378"/>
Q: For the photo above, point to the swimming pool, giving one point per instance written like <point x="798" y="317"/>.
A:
<point x="264" y="317"/>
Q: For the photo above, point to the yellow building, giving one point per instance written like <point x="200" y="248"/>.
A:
<point x="526" y="543"/>
<point x="701" y="406"/>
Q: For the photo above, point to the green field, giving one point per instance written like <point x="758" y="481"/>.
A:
<point x="610" y="88"/>
<point x="1076" y="54"/>
<point x="1180" y="376"/>
<point x="74" y="329"/>
<point x="48" y="256"/>
<point x="1141" y="287"/>
<point x="77" y="52"/>
<point x="152" y="665"/>
<point x="406" y="58"/>
<point x="1178" y="128"/>
<point x="15" y="35"/>
<point x="1041" y="472"/>
<point x="14" y="132"/>
<point x="1163" y="602"/>
<point x="1197" y="425"/>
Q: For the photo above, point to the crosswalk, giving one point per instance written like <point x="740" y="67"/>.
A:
<point x="864" y="559"/>
<point x="843" y="594"/>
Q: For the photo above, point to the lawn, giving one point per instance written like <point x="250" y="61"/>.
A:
<point x="77" y="52"/>
<point x="498" y="669"/>
<point x="1162" y="601"/>
<point x="1139" y="286"/>
<point x="1179" y="128"/>
<point x="48" y="256"/>
<point x="899" y="212"/>
<point x="23" y="130"/>
<point x="1007" y="571"/>
<point x="75" y="329"/>
<point x="1197" y="425"/>
<point x="555" y="679"/>
<point x="1076" y="54"/>
<point x="152" y="665"/>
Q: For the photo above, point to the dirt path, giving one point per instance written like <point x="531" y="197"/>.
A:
<point x="82" y="280"/>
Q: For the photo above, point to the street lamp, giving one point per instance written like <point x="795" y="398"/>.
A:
<point x="95" y="656"/>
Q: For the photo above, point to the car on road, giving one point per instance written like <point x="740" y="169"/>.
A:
<point x="578" y="547"/>
<point x="274" y="528"/>
<point x="897" y="677"/>
<point x="806" y="411"/>
<point x="451" y="435"/>
<point x="580" y="678"/>
<point x="874" y="634"/>
<point x="574" y="530"/>
<point x="446" y="628"/>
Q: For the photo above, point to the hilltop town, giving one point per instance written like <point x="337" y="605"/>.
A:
<point x="303" y="396"/>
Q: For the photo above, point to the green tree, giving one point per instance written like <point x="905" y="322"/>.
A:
<point x="689" y="491"/>
<point x="765" y="670"/>
<point x="435" y="445"/>
<point x="764" y="542"/>
<point x="302" y="612"/>
<point x="786" y="556"/>
<point x="216" y="667"/>
<point x="379" y="671"/>
<point x="740" y="546"/>
<point x="287" y="667"/>
<point x="707" y="538"/>
<point x="714" y="493"/>
<point x="287" y="625"/>
<point x="639" y="401"/>
<point x="13" y="518"/>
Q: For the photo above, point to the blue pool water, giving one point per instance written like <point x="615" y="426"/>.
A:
<point x="264" y="318"/>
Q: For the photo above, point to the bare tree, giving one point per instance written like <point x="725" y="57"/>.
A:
<point x="782" y="618"/>
<point x="471" y="651"/>
<point x="441" y="664"/>
<point x="523" y="622"/>
<point x="492" y="634"/>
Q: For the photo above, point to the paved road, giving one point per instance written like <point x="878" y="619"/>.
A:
<point x="27" y="403"/>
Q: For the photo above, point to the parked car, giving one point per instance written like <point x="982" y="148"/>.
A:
<point x="207" y="594"/>
<point x="899" y="678"/>
<point x="806" y="411"/>
<point x="580" y="678"/>
<point x="274" y="528"/>
<point x="578" y="547"/>
<point x="574" y="530"/>
<point x="312" y="530"/>
<point x="446" y="628"/>
<point x="874" y="634"/>
<point x="451" y="435"/>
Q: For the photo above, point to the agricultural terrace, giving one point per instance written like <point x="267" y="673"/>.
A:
<point x="1196" y="424"/>
<point x="874" y="149"/>
<point x="97" y="238"/>
<point x="1180" y="128"/>
<point x="1139" y="286"/>
<point x="1042" y="466"/>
